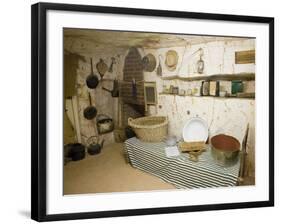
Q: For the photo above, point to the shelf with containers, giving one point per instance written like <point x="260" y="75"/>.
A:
<point x="235" y="79"/>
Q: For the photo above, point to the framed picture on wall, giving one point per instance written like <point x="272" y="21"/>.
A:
<point x="133" y="106"/>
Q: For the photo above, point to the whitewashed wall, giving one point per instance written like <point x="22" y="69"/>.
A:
<point x="223" y="115"/>
<point x="219" y="58"/>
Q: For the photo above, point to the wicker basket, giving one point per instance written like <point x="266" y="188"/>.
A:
<point x="150" y="129"/>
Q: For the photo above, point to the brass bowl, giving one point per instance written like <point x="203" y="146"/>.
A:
<point x="225" y="149"/>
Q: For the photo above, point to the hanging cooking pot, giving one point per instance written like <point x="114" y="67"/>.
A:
<point x="115" y="91"/>
<point x="92" y="80"/>
<point x="104" y="124"/>
<point x="94" y="147"/>
<point x="90" y="112"/>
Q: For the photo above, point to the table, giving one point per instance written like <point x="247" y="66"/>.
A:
<point x="179" y="170"/>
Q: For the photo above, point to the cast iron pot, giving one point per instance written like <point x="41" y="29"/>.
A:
<point x="76" y="151"/>
<point x="94" y="147"/>
<point x="129" y="132"/>
<point x="66" y="151"/>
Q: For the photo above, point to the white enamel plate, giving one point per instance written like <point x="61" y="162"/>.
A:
<point x="195" y="129"/>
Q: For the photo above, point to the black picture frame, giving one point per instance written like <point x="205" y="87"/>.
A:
<point x="38" y="108"/>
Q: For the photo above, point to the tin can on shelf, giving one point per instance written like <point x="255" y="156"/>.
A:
<point x="236" y="86"/>
<point x="182" y="92"/>
<point x="214" y="88"/>
<point x="165" y="89"/>
<point x="205" y="87"/>
<point x="175" y="90"/>
<point x="223" y="93"/>
<point x="196" y="91"/>
<point x="171" y="89"/>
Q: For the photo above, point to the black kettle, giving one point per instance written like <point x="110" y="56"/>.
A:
<point x="94" y="147"/>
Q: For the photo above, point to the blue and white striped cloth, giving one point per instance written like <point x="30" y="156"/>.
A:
<point x="179" y="170"/>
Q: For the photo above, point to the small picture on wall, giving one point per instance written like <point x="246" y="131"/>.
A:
<point x="157" y="111"/>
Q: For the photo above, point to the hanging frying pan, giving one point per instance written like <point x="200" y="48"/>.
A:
<point x="90" y="112"/>
<point x="92" y="79"/>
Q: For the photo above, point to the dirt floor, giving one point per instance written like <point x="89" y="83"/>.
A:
<point x="108" y="172"/>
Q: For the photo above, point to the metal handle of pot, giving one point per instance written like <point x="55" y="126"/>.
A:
<point x="92" y="139"/>
<point x="90" y="98"/>
<point x="92" y="70"/>
<point x="106" y="89"/>
<point x="102" y="116"/>
<point x="130" y="120"/>
<point x="102" y="142"/>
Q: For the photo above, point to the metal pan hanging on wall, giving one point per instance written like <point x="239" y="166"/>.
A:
<point x="90" y="112"/>
<point x="92" y="80"/>
<point x="149" y="63"/>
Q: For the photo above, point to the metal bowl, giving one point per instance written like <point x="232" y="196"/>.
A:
<point x="225" y="149"/>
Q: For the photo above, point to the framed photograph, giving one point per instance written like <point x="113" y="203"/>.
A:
<point x="140" y="111"/>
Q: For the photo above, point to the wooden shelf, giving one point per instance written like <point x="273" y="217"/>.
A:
<point x="215" y="77"/>
<point x="220" y="97"/>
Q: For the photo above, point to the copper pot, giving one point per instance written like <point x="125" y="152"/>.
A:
<point x="225" y="149"/>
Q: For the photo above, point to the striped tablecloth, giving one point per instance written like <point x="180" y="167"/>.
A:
<point x="179" y="170"/>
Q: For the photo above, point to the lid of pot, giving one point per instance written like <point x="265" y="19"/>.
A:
<point x="195" y="129"/>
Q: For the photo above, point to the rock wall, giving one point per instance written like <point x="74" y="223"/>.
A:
<point x="101" y="99"/>
<point x="225" y="115"/>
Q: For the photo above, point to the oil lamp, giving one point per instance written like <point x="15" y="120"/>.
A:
<point x="200" y="62"/>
